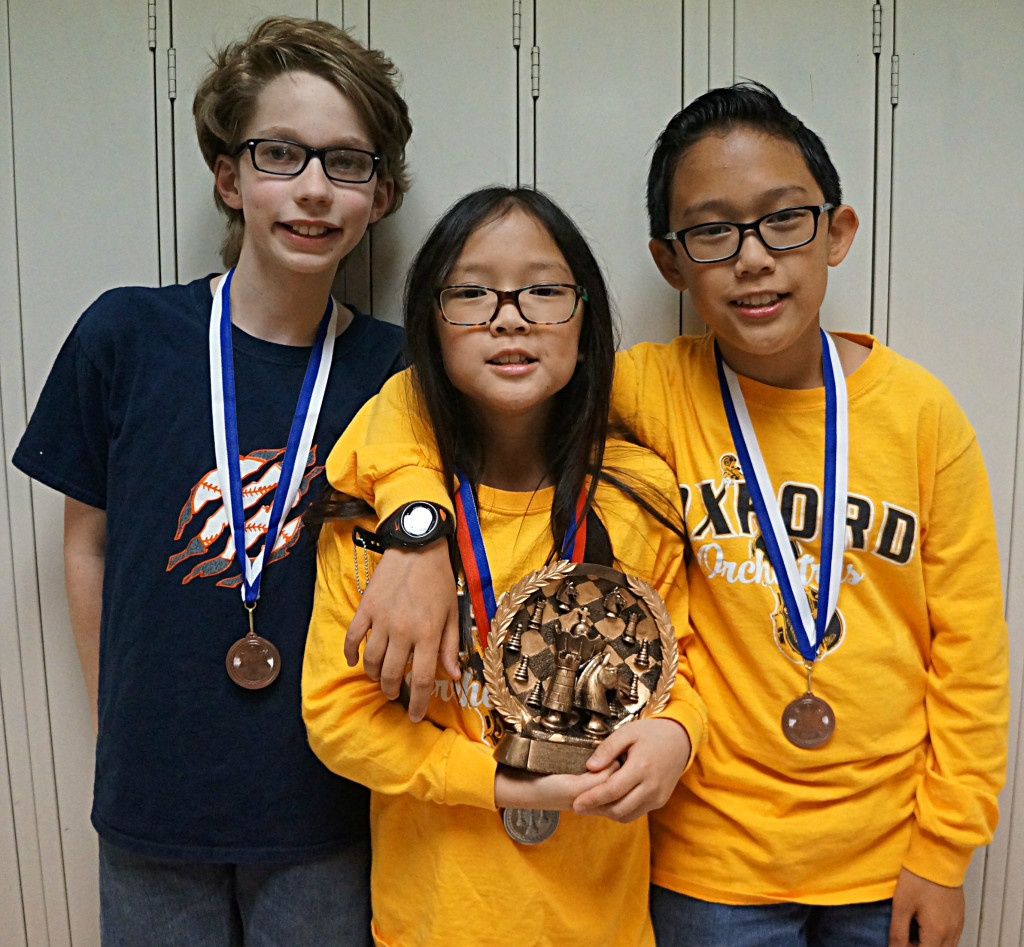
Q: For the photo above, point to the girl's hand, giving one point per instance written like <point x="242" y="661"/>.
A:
<point x="655" y="754"/>
<point x="518" y="789"/>
<point x="410" y="604"/>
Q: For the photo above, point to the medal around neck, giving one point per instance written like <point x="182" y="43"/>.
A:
<point x="807" y="722"/>
<point x="253" y="662"/>
<point x="529" y="826"/>
<point x="575" y="651"/>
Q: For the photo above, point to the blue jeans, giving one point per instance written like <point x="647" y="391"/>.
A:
<point x="160" y="903"/>
<point x="681" y="921"/>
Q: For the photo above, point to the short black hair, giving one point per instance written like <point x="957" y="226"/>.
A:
<point x="746" y="103"/>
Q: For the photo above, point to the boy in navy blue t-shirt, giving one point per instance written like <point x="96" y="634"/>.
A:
<point x="186" y="426"/>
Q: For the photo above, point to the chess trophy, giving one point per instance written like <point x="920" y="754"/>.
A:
<point x="575" y="652"/>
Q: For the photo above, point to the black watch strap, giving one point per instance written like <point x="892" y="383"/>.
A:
<point x="416" y="524"/>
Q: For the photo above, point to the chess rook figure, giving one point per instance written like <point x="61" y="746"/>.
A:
<point x="573" y="648"/>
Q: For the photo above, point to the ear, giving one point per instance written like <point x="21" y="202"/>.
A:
<point x="226" y="180"/>
<point x="382" y="195"/>
<point x="841" y="232"/>
<point x="667" y="259"/>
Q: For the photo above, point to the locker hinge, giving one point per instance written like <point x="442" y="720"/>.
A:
<point x="535" y="71"/>
<point x="517" y="23"/>
<point x="876" y="28"/>
<point x="894" y="89"/>
<point x="172" y="73"/>
<point x="152" y="24"/>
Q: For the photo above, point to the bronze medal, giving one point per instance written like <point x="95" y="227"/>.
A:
<point x="808" y="722"/>
<point x="253" y="662"/>
<point x="529" y="826"/>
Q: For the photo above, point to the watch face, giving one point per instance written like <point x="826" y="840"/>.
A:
<point x="418" y="520"/>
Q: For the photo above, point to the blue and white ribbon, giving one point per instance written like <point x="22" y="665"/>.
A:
<point x="809" y="630"/>
<point x="225" y="431"/>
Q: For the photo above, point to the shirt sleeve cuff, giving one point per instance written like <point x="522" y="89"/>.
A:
<point x="407" y="484"/>
<point x="469" y="777"/>
<point x="692" y="720"/>
<point x="935" y="860"/>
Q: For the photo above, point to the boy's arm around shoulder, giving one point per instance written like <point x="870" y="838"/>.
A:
<point x="967" y="695"/>
<point x="387" y="455"/>
<point x="646" y="382"/>
<point x="85" y="529"/>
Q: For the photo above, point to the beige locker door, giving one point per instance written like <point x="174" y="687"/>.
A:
<point x="192" y="226"/>
<point x="458" y="64"/>
<point x="21" y="881"/>
<point x="81" y="84"/>
<point x="956" y="292"/>
<point x="818" y="58"/>
<point x="610" y="77"/>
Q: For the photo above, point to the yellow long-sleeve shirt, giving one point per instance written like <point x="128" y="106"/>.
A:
<point x="444" y="871"/>
<point x="917" y="671"/>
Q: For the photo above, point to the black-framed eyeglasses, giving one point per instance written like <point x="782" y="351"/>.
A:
<point x="719" y="240"/>
<point x="540" y="304"/>
<point x="289" y="158"/>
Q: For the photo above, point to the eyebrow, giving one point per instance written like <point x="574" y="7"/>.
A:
<point x="726" y="207"/>
<point x="479" y="271"/>
<point x="343" y="141"/>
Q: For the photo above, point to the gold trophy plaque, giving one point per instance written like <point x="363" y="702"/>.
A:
<point x="575" y="652"/>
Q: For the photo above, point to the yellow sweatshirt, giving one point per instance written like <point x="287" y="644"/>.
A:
<point x="917" y="669"/>
<point x="444" y="871"/>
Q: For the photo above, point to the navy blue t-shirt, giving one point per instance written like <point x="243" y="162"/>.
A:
<point x="188" y="764"/>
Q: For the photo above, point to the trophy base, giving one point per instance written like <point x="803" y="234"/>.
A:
<point x="561" y="754"/>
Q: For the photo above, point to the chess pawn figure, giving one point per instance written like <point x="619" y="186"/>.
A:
<point x="515" y="641"/>
<point x="537" y="614"/>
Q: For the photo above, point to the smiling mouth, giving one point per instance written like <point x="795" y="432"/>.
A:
<point x="758" y="300"/>
<point x="512" y="358"/>
<point x="307" y="230"/>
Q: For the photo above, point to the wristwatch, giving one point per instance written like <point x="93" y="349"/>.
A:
<point x="416" y="524"/>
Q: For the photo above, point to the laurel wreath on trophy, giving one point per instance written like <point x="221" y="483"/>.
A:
<point x="513" y="712"/>
<point x="669" y="645"/>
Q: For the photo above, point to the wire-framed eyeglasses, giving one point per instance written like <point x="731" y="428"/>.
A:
<point x="719" y="240"/>
<point x="540" y="304"/>
<point x="289" y="158"/>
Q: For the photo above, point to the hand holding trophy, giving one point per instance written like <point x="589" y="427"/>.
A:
<point x="575" y="652"/>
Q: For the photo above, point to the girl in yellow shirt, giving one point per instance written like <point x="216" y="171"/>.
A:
<point x="511" y="343"/>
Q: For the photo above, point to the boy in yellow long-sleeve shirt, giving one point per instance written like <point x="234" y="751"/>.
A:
<point x="844" y="582"/>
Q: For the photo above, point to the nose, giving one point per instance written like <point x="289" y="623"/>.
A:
<point x="508" y="318"/>
<point x="753" y="256"/>
<point x="313" y="181"/>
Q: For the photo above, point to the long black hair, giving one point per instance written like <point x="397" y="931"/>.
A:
<point x="578" y="425"/>
<point x="578" y="422"/>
